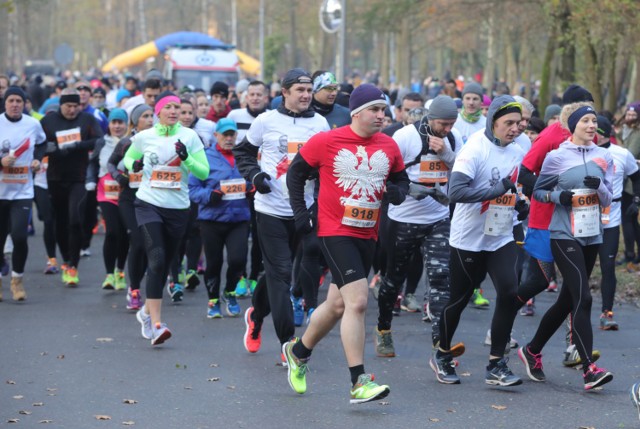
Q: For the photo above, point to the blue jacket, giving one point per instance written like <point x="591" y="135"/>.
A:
<point x="200" y="191"/>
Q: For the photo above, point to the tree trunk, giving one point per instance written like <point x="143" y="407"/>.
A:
<point x="384" y="59"/>
<point x="488" y="76"/>
<point x="592" y="72"/>
<point x="545" y="79"/>
<point x="568" y="62"/>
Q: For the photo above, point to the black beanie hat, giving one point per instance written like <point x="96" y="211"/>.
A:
<point x="15" y="90"/>
<point x="604" y="126"/>
<point x="576" y="93"/>
<point x="220" y="88"/>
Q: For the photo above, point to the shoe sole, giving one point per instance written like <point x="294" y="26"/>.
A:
<point x="604" y="380"/>
<point x="142" y="329"/>
<point x="635" y="396"/>
<point x="247" y="333"/>
<point x="457" y="350"/>
<point x="383" y="394"/>
<point x="526" y="365"/>
<point x="434" y="367"/>
<point x="217" y="316"/>
<point x="502" y="383"/>
<point x="609" y="328"/>
<point x="162" y="338"/>
<point x="107" y="287"/>
<point x="285" y="363"/>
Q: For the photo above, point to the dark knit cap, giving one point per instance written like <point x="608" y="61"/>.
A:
<point x="294" y="76"/>
<point x="536" y="125"/>
<point x="15" y="90"/>
<point x="604" y="126"/>
<point x="100" y="90"/>
<point x="443" y="107"/>
<point x="138" y="111"/>
<point x="220" y="88"/>
<point x="364" y="96"/>
<point x="551" y="111"/>
<point x="473" y="88"/>
<point x="576" y="93"/>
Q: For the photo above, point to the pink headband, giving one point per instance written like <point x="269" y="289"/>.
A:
<point x="164" y="101"/>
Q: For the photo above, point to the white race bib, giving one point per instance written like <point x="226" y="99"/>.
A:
<point x="585" y="213"/>
<point x="234" y="189"/>
<point x="499" y="218"/>
<point x="432" y="170"/>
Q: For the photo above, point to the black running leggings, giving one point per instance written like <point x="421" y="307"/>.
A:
<point x="468" y="269"/>
<point x="68" y="200"/>
<point x="90" y="218"/>
<point x="14" y="220"/>
<point x="256" y="254"/>
<point x="575" y="263"/>
<point x="137" y="258"/>
<point x="160" y="245"/>
<point x="190" y="245"/>
<point x="45" y="214"/>
<point x="116" y="243"/>
<point x="608" y="252"/>
<point x="307" y="266"/>
<point x="217" y="236"/>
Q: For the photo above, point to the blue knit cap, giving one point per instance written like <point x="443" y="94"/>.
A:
<point x="118" y="114"/>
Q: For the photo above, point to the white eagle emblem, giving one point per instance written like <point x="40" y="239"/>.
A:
<point x="363" y="178"/>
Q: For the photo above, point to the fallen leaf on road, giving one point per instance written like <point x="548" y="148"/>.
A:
<point x="51" y="389"/>
<point x="213" y="365"/>
<point x="45" y="421"/>
<point x="213" y="379"/>
<point x="38" y="404"/>
<point x="44" y="353"/>
<point x="465" y="374"/>
<point x="499" y="407"/>
<point x="13" y="420"/>
<point x="18" y="397"/>
<point x="102" y="417"/>
<point x="129" y="423"/>
<point x="104" y="340"/>
<point x="231" y="387"/>
<point x="130" y="401"/>
<point x="451" y="411"/>
<point x="434" y="420"/>
<point x="60" y="357"/>
<point x="188" y="387"/>
<point x="11" y="382"/>
<point x="384" y="403"/>
<point x="24" y="412"/>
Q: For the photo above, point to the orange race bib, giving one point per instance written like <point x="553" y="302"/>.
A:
<point x="15" y="174"/>
<point x="499" y="217"/>
<point x="134" y="180"/>
<point x="166" y="177"/>
<point x="432" y="170"/>
<point x="234" y="189"/>
<point x="585" y="213"/>
<point x="361" y="214"/>
<point x="111" y="190"/>
<point x="605" y="215"/>
<point x="67" y="136"/>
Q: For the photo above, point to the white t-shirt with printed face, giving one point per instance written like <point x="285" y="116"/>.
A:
<point x="165" y="178"/>
<point x="486" y="164"/>
<point x="624" y="164"/>
<point x="280" y="137"/>
<point x="19" y="138"/>
<point x="466" y="129"/>
<point x="426" y="211"/>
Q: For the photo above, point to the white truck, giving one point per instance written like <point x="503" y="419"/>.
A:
<point x="201" y="66"/>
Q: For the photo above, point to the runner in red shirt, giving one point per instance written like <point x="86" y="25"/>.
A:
<point x="354" y="163"/>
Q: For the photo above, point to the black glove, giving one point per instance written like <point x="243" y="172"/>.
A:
<point x="216" y="196"/>
<point x="395" y="195"/>
<point x="509" y="185"/>
<point x="566" y="198"/>
<point x="260" y="182"/>
<point x="634" y="208"/>
<point x="122" y="180"/>
<point x="591" y="182"/>
<point x="304" y="224"/>
<point x="138" y="165"/>
<point x="523" y="209"/>
<point x="181" y="150"/>
<point x="51" y="147"/>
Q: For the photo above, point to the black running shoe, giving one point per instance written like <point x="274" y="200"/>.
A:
<point x="532" y="363"/>
<point x="596" y="377"/>
<point x="501" y="375"/>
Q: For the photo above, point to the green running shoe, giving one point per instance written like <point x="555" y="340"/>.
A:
<point x="367" y="390"/>
<point x="297" y="368"/>
<point x="478" y="300"/>
<point x="109" y="282"/>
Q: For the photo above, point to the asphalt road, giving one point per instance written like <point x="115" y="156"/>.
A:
<point x="69" y="355"/>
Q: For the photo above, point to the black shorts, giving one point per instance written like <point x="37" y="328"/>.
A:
<point x="174" y="220"/>
<point x="349" y="258"/>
